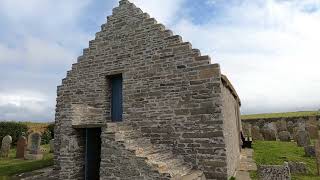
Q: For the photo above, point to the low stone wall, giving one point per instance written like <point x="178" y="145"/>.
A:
<point x="280" y="128"/>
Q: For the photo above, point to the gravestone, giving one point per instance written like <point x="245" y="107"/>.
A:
<point x="269" y="132"/>
<point x="284" y="136"/>
<point x="21" y="147"/>
<point x="290" y="126"/>
<point x="51" y="145"/>
<point x="5" y="146"/>
<point x="274" y="172"/>
<point x="33" y="150"/>
<point x="309" y="151"/>
<point x="298" y="167"/>
<point x="303" y="138"/>
<point x="281" y="126"/>
<point x="313" y="131"/>
<point x="247" y="129"/>
<point x="256" y="134"/>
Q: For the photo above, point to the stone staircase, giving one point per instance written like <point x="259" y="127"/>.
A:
<point x="159" y="158"/>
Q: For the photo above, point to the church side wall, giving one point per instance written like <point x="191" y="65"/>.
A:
<point x="232" y="127"/>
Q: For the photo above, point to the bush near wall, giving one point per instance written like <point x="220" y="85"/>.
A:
<point x="14" y="129"/>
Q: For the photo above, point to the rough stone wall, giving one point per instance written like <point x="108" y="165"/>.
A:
<point x="232" y="128"/>
<point x="170" y="91"/>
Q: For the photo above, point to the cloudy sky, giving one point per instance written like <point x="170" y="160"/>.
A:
<point x="269" y="49"/>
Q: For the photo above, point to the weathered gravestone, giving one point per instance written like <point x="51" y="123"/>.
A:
<point x="281" y="126"/>
<point x="313" y="131"/>
<point x="274" y="172"/>
<point x="269" y="132"/>
<point x="303" y="138"/>
<point x="309" y="151"/>
<point x="290" y="126"/>
<point x="284" y="136"/>
<point x="51" y="145"/>
<point x="33" y="150"/>
<point x="5" y="146"/>
<point x="256" y="134"/>
<point x="21" y="147"/>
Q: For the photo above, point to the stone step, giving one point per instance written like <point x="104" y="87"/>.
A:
<point x="161" y="159"/>
<point x="192" y="175"/>
<point x="160" y="156"/>
<point x="150" y="150"/>
<point x="196" y="52"/>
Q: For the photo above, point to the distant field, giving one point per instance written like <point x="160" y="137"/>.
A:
<point x="279" y="115"/>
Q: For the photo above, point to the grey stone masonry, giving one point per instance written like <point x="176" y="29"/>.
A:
<point x="173" y="97"/>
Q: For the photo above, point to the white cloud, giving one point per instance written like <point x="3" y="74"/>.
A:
<point x="25" y="105"/>
<point x="34" y="51"/>
<point x="164" y="11"/>
<point x="268" y="50"/>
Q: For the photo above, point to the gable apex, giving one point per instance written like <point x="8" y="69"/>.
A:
<point x="122" y="2"/>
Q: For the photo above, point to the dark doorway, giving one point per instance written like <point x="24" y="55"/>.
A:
<point x="93" y="150"/>
<point x="116" y="98"/>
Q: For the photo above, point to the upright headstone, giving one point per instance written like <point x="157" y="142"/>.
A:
<point x="269" y="132"/>
<point x="313" y="131"/>
<point x="281" y="126"/>
<point x="256" y="134"/>
<point x="290" y="126"/>
<point x="284" y="136"/>
<point x="5" y="146"/>
<point x="303" y="138"/>
<point x="52" y="145"/>
<point x="21" y="147"/>
<point x="33" y="150"/>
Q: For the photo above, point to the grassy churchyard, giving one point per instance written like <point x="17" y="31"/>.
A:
<point x="276" y="153"/>
<point x="12" y="166"/>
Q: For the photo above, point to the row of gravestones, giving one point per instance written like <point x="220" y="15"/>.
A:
<point x="27" y="149"/>
<point x="283" y="131"/>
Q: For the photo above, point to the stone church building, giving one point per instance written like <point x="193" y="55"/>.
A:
<point x="141" y="104"/>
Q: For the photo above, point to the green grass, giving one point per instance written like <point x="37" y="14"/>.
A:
<point x="11" y="166"/>
<point x="280" y="115"/>
<point x="276" y="153"/>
